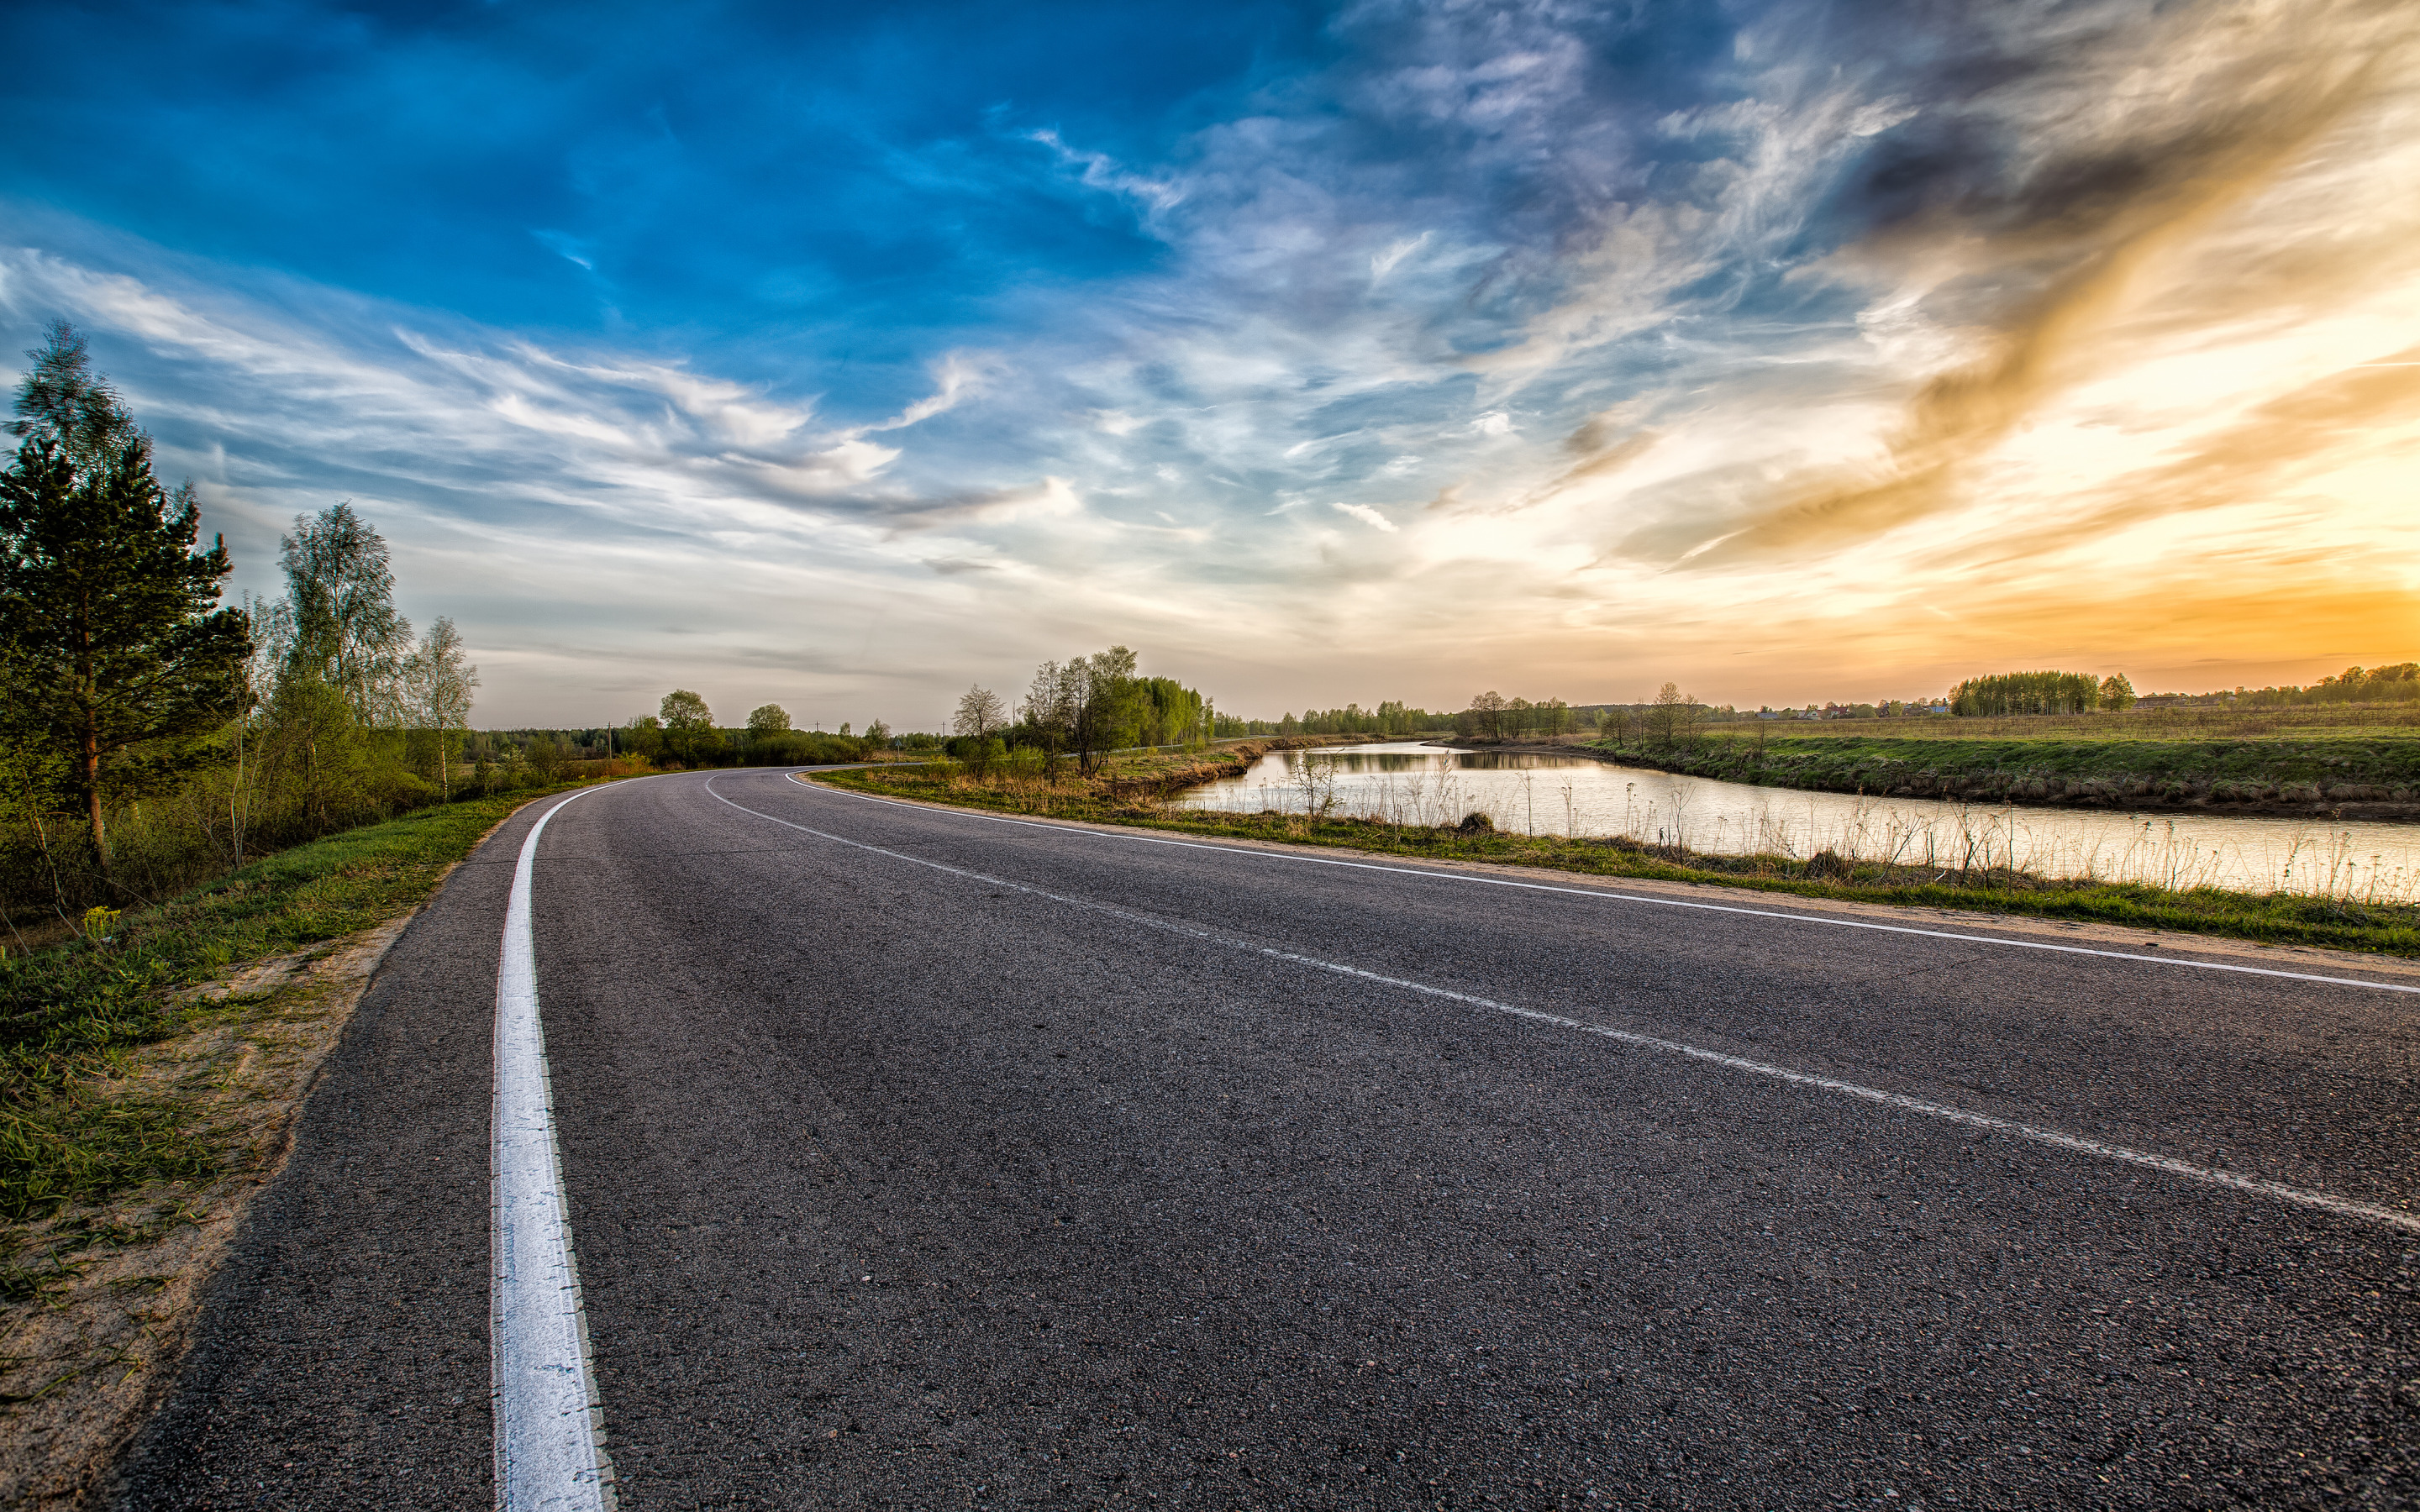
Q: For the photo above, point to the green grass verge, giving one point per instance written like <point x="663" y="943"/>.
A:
<point x="2355" y="766"/>
<point x="2278" y="919"/>
<point x="72" y="1016"/>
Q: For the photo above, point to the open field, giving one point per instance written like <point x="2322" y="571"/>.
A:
<point x="2308" y="721"/>
<point x="1128" y="794"/>
<point x="2343" y="763"/>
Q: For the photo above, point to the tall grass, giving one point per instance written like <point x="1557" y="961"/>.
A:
<point x="74" y="1016"/>
<point x="295" y="770"/>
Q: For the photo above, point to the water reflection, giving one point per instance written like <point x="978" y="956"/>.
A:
<point x="1543" y="793"/>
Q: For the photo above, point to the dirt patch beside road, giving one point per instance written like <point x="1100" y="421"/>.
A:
<point x="105" y="1294"/>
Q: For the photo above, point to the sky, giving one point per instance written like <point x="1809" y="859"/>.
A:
<point x="841" y="357"/>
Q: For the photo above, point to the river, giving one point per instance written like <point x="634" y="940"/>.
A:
<point x="1544" y="793"/>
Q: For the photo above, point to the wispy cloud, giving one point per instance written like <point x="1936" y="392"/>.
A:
<point x="1099" y="169"/>
<point x="570" y="248"/>
<point x="1618" y="335"/>
<point x="958" y="376"/>
<point x="2129" y="219"/>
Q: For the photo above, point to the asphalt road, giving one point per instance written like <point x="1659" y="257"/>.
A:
<point x="1004" y="1165"/>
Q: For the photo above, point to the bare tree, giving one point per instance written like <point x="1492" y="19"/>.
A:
<point x="981" y="714"/>
<point x="1315" y="779"/>
<point x="1673" y="718"/>
<point x="1050" y="707"/>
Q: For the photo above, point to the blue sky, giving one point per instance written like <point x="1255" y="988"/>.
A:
<point x="842" y="356"/>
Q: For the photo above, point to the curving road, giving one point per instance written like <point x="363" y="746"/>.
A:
<point x="922" y="1159"/>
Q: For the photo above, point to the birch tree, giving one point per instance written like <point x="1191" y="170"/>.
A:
<point x="437" y="681"/>
<point x="340" y="617"/>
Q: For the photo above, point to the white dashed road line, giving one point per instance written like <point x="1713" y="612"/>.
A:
<point x="2299" y="1197"/>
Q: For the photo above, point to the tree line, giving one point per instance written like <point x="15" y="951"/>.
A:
<point x="2398" y="684"/>
<point x="1493" y="717"/>
<point x="1078" y="711"/>
<point x="1388" y="720"/>
<point x="2014" y="693"/>
<point x="682" y="734"/>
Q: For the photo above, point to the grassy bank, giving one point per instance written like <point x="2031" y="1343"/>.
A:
<point x="75" y="1125"/>
<point x="2360" y="770"/>
<point x="1126" y="798"/>
<point x="1123" y="777"/>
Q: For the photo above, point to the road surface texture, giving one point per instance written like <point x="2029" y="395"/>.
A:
<point x="921" y="1159"/>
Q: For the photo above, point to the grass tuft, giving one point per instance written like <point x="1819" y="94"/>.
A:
<point x="75" y="1125"/>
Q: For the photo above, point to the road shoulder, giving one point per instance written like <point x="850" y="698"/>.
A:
<point x="87" y="1357"/>
<point x="105" y="1297"/>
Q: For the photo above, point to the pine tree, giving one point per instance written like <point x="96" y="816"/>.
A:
<point x="62" y="398"/>
<point x="110" y="646"/>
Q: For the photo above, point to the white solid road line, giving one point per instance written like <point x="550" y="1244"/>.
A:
<point x="549" y="1426"/>
<point x="2300" y="1197"/>
<point x="1610" y="893"/>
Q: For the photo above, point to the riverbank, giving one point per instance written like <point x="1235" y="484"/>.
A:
<point x="2344" y="774"/>
<point x="2272" y="919"/>
<point x="1123" y="778"/>
<point x="150" y="1074"/>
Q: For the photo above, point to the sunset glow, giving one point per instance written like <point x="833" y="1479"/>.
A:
<point x="1370" y="352"/>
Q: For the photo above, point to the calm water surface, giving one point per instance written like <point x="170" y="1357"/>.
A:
<point x="1547" y="794"/>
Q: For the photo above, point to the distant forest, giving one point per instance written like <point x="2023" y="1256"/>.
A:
<point x="1490" y="715"/>
<point x="2040" y="693"/>
<point x="2398" y="684"/>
